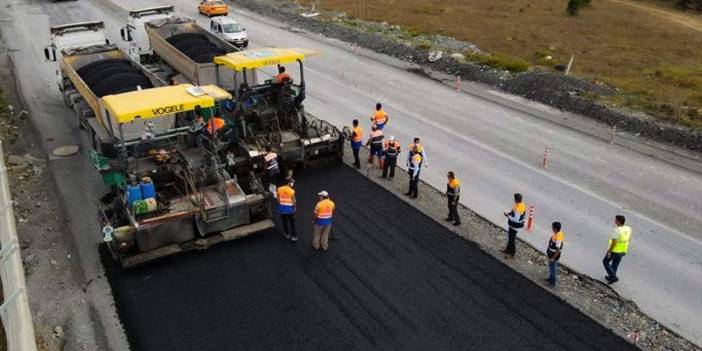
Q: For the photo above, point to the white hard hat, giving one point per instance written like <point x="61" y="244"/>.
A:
<point x="392" y="138"/>
<point x="323" y="193"/>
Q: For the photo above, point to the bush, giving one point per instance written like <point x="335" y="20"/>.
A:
<point x="690" y="4"/>
<point x="575" y="5"/>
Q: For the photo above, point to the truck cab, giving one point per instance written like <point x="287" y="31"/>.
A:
<point x="230" y="30"/>
<point x="70" y="37"/>
<point x="134" y="32"/>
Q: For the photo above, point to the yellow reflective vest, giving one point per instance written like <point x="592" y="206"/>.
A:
<point x="622" y="236"/>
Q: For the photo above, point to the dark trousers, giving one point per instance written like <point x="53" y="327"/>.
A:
<point x="453" y="209"/>
<point x="413" y="184"/>
<point x="511" y="248"/>
<point x="289" y="224"/>
<point x="389" y="166"/>
<point x="356" y="159"/>
<point x="611" y="264"/>
<point x="552" y="271"/>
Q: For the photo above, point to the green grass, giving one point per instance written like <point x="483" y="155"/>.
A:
<point x="508" y="63"/>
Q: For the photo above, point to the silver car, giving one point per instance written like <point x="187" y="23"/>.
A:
<point x="230" y="30"/>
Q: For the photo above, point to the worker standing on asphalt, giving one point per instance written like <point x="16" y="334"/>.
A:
<point x="413" y="169"/>
<point x="392" y="150"/>
<point x="286" y="209"/>
<point x="515" y="222"/>
<point x="375" y="141"/>
<point x="380" y="118"/>
<point x="618" y="246"/>
<point x="553" y="251"/>
<point x="270" y="160"/>
<point x="322" y="221"/>
<point x="356" y="143"/>
<point x="453" y="192"/>
<point x="418" y="147"/>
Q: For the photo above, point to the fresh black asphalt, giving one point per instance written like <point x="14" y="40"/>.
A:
<point x="394" y="280"/>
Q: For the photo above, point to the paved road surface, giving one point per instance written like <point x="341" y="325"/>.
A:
<point x="494" y="149"/>
<point x="400" y="282"/>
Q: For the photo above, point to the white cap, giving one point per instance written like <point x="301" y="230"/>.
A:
<point x="323" y="193"/>
<point x="392" y="138"/>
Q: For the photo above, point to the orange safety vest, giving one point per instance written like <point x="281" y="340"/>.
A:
<point x="359" y="134"/>
<point x="380" y="116"/>
<point x="282" y="77"/>
<point x="453" y="187"/>
<point x="215" y="124"/>
<point x="285" y="196"/>
<point x="324" y="211"/>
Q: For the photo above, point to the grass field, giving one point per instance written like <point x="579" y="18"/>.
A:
<point x="651" y="52"/>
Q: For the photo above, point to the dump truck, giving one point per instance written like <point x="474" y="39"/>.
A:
<point x="175" y="183"/>
<point x="89" y="68"/>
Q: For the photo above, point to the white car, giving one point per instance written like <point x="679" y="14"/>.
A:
<point x="230" y="30"/>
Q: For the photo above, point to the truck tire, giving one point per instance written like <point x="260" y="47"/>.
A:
<point x="119" y="82"/>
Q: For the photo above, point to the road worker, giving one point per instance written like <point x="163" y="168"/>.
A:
<point x="392" y="150"/>
<point x="356" y="143"/>
<point x="286" y="209"/>
<point x="418" y="147"/>
<point x="270" y="160"/>
<point x="618" y="247"/>
<point x="214" y="124"/>
<point x="553" y="251"/>
<point x="515" y="222"/>
<point x="322" y="221"/>
<point x="453" y="193"/>
<point x="413" y="170"/>
<point x="380" y="118"/>
<point x="375" y="141"/>
<point x="282" y="76"/>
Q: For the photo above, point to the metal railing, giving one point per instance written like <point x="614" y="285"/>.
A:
<point x="15" y="313"/>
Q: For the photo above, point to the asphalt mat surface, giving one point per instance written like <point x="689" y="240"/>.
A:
<point x="394" y="279"/>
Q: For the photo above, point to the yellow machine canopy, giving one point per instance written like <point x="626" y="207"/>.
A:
<point x="161" y="101"/>
<point x="257" y="58"/>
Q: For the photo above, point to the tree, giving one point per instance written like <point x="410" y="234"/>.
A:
<point x="575" y="5"/>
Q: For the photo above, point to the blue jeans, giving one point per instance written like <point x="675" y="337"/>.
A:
<point x="611" y="264"/>
<point x="552" y="272"/>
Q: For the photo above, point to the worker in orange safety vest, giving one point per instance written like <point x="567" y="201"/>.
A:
<point x="286" y="209"/>
<point x="323" y="214"/>
<point x="380" y="117"/>
<point x="356" y="143"/>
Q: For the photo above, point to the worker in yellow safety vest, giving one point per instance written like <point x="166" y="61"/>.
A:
<point x="417" y="146"/>
<point x="379" y="118"/>
<point x="286" y="209"/>
<point x="323" y="213"/>
<point x="618" y="247"/>
<point x="413" y="170"/>
<point x="515" y="222"/>
<point x="553" y="251"/>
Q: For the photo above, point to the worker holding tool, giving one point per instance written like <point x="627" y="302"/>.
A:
<point x="356" y="143"/>
<point x="553" y="251"/>
<point x="375" y="141"/>
<point x="413" y="170"/>
<point x="515" y="222"/>
<point x="270" y="160"/>
<point x="392" y="150"/>
<point x="418" y="147"/>
<point x="380" y="118"/>
<point x="282" y="76"/>
<point x="286" y="209"/>
<point x="322" y="221"/>
<point x="453" y="192"/>
<point x="618" y="247"/>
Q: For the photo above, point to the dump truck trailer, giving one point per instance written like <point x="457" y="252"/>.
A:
<point x="89" y="68"/>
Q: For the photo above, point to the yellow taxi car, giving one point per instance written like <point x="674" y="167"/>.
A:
<point x="211" y="8"/>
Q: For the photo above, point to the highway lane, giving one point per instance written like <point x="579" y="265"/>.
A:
<point x="497" y="151"/>
<point x="400" y="281"/>
<point x="494" y="149"/>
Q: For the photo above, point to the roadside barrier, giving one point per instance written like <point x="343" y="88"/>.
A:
<point x="15" y="313"/>
<point x="545" y="163"/>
